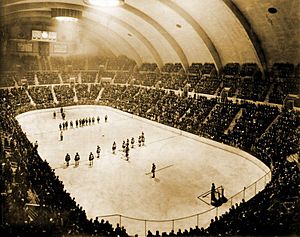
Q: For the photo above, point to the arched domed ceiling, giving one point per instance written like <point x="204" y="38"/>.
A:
<point x="161" y="31"/>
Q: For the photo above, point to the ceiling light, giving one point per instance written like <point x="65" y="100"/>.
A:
<point x="66" y="19"/>
<point x="65" y="15"/>
<point x="104" y="3"/>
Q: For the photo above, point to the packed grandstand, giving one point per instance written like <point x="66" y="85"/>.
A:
<point x="238" y="106"/>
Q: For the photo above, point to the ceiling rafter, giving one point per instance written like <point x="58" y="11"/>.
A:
<point x="119" y="38"/>
<point x="250" y="33"/>
<point x="200" y="31"/>
<point x="170" y="39"/>
<point x="138" y="35"/>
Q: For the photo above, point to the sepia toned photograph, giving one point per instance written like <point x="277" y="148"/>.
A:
<point x="149" y="118"/>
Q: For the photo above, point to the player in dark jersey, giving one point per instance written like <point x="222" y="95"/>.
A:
<point x="114" y="147"/>
<point x="98" y="151"/>
<point x="140" y="140"/>
<point x="54" y="114"/>
<point x="213" y="193"/>
<point x="123" y="146"/>
<point x="143" y="139"/>
<point x="105" y="118"/>
<point x="132" y="142"/>
<point x="127" y="153"/>
<point x="61" y="135"/>
<point x="67" y="159"/>
<point x="91" y="158"/>
<point x="153" y="170"/>
<point x="77" y="158"/>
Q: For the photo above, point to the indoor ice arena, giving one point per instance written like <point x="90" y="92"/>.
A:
<point x="149" y="118"/>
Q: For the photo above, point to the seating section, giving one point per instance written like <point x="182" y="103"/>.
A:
<point x="148" y="67"/>
<point x="122" y="78"/>
<point x="64" y="94"/>
<point x="244" y="81"/>
<point x="219" y="120"/>
<point x="42" y="96"/>
<point x="265" y="131"/>
<point x="7" y="79"/>
<point x="254" y="120"/>
<point x="58" y="63"/>
<point x="88" y="76"/>
<point x="48" y="78"/>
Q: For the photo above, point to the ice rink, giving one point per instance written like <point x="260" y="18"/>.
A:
<point x="186" y="168"/>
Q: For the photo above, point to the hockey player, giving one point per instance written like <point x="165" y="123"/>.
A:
<point x="71" y="124"/>
<point x="153" y="170"/>
<point x="114" y="147"/>
<point x="123" y="146"/>
<point x="98" y="151"/>
<point x="54" y="114"/>
<point x="76" y="122"/>
<point x="61" y="135"/>
<point x="132" y="142"/>
<point x="127" y="153"/>
<point x="60" y="127"/>
<point x="140" y="140"/>
<point x="213" y="193"/>
<point x="91" y="158"/>
<point x="143" y="139"/>
<point x="67" y="159"/>
<point x="77" y="158"/>
<point x="93" y="120"/>
<point x="105" y="118"/>
<point x="98" y="119"/>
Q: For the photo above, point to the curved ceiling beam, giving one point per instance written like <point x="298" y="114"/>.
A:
<point x="250" y="33"/>
<point x="116" y="36"/>
<point x="200" y="31"/>
<point x="175" y="45"/>
<point x="138" y="35"/>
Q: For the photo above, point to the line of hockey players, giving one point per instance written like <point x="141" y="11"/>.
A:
<point x="77" y="157"/>
<point x="80" y="122"/>
<point x="125" y="149"/>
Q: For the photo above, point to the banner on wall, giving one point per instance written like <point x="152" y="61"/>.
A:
<point x="60" y="48"/>
<point x="24" y="47"/>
